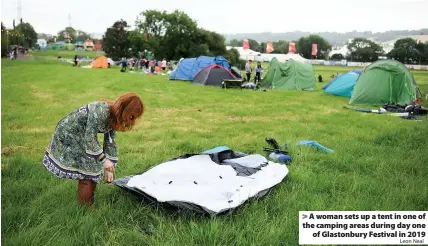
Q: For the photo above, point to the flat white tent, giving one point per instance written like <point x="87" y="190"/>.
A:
<point x="212" y="182"/>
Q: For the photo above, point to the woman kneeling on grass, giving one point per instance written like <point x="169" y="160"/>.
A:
<point x="74" y="152"/>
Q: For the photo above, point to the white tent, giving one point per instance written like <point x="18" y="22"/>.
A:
<point x="284" y="57"/>
<point x="247" y="54"/>
<point x="212" y="183"/>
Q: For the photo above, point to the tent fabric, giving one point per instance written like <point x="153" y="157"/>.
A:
<point x="189" y="67"/>
<point x="110" y="61"/>
<point x="236" y="72"/>
<point x="352" y="71"/>
<point x="213" y="75"/>
<point x="211" y="183"/>
<point x="342" y="85"/>
<point x="291" y="75"/>
<point x="100" y="62"/>
<point x="385" y="81"/>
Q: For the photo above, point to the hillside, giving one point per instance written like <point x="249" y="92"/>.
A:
<point x="333" y="38"/>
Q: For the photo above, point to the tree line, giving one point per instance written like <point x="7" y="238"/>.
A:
<point x="406" y="50"/>
<point x="22" y="34"/>
<point x="25" y="35"/>
<point x="171" y="35"/>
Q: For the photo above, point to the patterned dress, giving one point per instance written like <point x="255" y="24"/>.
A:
<point x="73" y="149"/>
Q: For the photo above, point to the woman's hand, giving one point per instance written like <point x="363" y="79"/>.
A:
<point x="109" y="166"/>
<point x="109" y="171"/>
<point x="109" y="176"/>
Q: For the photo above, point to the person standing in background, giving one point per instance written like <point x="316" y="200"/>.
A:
<point x="248" y="70"/>
<point x="259" y="70"/>
<point x="164" y="64"/>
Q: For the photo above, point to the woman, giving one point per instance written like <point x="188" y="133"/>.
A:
<point x="74" y="151"/>
<point x="259" y="69"/>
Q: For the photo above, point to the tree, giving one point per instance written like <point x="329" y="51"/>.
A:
<point x="423" y="52"/>
<point x="23" y="34"/>
<point x="4" y="40"/>
<point x="70" y="31"/>
<point x="235" y="43"/>
<point x="81" y="35"/>
<point x="304" y="46"/>
<point x="215" y="42"/>
<point x="232" y="56"/>
<point x="364" y="50"/>
<point x="254" y="45"/>
<point x="115" y="40"/>
<point x="405" y="51"/>
<point x="175" y="35"/>
<point x="280" y="47"/>
<point x="262" y="47"/>
<point x="137" y="42"/>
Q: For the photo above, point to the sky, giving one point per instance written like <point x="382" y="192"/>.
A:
<point x="227" y="16"/>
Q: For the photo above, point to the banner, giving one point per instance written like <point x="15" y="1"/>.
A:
<point x="269" y="47"/>
<point x="245" y="44"/>
<point x="314" y="49"/>
<point x="292" y="48"/>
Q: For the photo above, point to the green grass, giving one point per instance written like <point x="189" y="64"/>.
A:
<point x="65" y="53"/>
<point x="379" y="162"/>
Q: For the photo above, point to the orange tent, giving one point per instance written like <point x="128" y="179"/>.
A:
<point x="100" y="62"/>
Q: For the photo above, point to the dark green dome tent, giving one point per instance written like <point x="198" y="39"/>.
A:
<point x="385" y="81"/>
<point x="291" y="75"/>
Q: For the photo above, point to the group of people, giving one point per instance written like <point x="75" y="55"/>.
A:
<point x="13" y="55"/>
<point x="259" y="71"/>
<point x="145" y="65"/>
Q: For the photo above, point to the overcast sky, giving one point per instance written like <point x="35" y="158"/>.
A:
<point x="228" y="16"/>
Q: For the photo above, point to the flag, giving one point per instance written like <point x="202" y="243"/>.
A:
<point x="246" y="44"/>
<point x="314" y="49"/>
<point x="269" y="47"/>
<point x="292" y="48"/>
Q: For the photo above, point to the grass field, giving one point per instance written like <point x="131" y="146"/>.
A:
<point x="67" y="54"/>
<point x="379" y="162"/>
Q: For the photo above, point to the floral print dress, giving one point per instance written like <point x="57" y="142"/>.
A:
<point x="73" y="150"/>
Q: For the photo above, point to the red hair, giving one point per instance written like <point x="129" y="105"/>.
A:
<point x="125" y="111"/>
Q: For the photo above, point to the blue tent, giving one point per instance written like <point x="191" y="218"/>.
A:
<point x="329" y="83"/>
<point x="189" y="67"/>
<point x="343" y="85"/>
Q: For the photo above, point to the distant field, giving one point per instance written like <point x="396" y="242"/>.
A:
<point x="379" y="163"/>
<point x="65" y="53"/>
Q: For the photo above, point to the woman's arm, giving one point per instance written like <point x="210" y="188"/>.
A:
<point x="110" y="147"/>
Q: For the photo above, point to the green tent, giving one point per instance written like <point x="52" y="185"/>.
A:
<point x="385" y="81"/>
<point x="291" y="75"/>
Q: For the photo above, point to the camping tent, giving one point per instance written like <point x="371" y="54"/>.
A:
<point x="212" y="182"/>
<point x="189" y="67"/>
<point x="342" y="85"/>
<point x="110" y="61"/>
<point x="291" y="75"/>
<point x="100" y="62"/>
<point x="212" y="75"/>
<point x="385" y="81"/>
